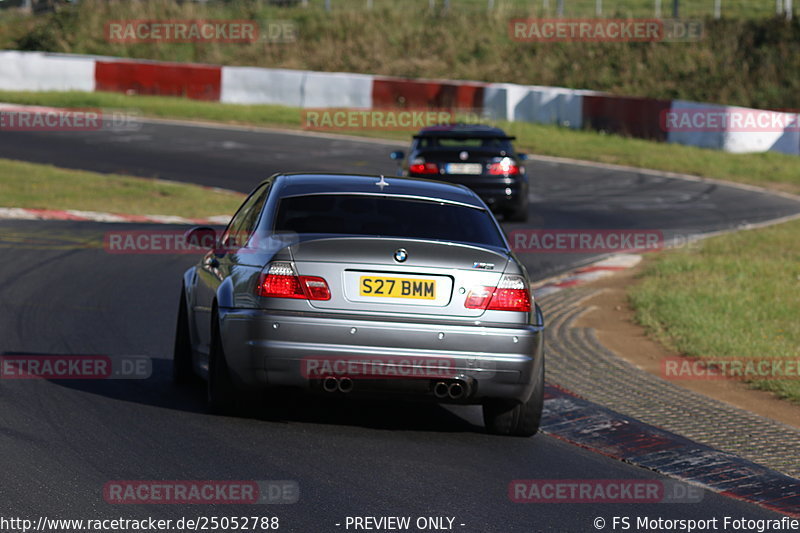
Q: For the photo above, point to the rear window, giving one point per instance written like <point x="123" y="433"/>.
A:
<point x="381" y="216"/>
<point x="483" y="143"/>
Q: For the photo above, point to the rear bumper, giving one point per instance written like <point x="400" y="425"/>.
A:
<point x="265" y="349"/>
<point x="498" y="193"/>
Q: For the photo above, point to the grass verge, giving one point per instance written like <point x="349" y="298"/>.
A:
<point x="735" y="296"/>
<point x="37" y="186"/>
<point x="772" y="170"/>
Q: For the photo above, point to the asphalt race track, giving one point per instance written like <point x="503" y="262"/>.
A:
<point x="61" y="294"/>
<point x="564" y="196"/>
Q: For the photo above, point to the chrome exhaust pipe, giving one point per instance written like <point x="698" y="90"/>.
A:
<point x="459" y="389"/>
<point x="345" y="385"/>
<point x="440" y="389"/>
<point x="330" y="384"/>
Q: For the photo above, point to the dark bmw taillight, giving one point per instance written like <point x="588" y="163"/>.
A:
<point x="511" y="294"/>
<point x="504" y="167"/>
<point x="420" y="167"/>
<point x="279" y="280"/>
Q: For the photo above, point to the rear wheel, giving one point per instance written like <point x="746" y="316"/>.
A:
<point x="521" y="419"/>
<point x="182" y="371"/>
<point x="222" y="394"/>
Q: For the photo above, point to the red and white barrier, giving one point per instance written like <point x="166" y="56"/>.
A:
<point x="38" y="71"/>
<point x="636" y="117"/>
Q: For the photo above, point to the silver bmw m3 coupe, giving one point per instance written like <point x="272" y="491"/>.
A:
<point x="364" y="285"/>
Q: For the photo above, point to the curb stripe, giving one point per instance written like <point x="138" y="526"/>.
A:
<point x="572" y="419"/>
<point x="19" y="213"/>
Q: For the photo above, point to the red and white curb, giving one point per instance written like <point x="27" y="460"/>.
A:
<point x="587" y="274"/>
<point x="19" y="213"/>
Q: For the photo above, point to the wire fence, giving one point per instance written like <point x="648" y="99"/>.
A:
<point x="533" y="8"/>
<point x="580" y="8"/>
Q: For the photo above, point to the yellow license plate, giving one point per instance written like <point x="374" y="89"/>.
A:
<point x="418" y="289"/>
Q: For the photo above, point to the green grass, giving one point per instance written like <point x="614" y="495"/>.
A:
<point x="747" y="58"/>
<point x="37" y="186"/>
<point x="735" y="296"/>
<point x="769" y="169"/>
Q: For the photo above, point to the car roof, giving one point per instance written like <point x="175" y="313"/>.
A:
<point x="299" y="184"/>
<point x="462" y="130"/>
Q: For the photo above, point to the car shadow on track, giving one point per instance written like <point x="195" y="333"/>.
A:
<point x="281" y="407"/>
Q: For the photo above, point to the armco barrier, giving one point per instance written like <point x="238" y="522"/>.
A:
<point x="636" y="117"/>
<point x="420" y="94"/>
<point x="199" y="82"/>
<point x="38" y="71"/>
<point x="337" y="89"/>
<point x="786" y="141"/>
<point x="531" y="103"/>
<point x="250" y="85"/>
<point x="295" y="88"/>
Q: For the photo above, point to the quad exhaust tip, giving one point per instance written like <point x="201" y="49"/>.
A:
<point x="332" y="384"/>
<point x="454" y="389"/>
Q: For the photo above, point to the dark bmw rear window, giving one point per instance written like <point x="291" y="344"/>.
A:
<point x="386" y="217"/>
<point x="476" y="143"/>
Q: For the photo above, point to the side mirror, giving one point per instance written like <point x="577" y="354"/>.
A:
<point x="522" y="157"/>
<point x="201" y="237"/>
<point x="398" y="155"/>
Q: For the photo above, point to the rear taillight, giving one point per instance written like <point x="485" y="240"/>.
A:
<point x="505" y="167"/>
<point x="511" y="294"/>
<point x="419" y="166"/>
<point x="280" y="281"/>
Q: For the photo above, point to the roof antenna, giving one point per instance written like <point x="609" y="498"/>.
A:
<point x="382" y="183"/>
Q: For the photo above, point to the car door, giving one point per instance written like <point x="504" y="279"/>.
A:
<point x="219" y="263"/>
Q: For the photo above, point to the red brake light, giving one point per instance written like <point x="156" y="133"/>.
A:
<point x="511" y="294"/>
<point x="424" y="168"/>
<point x="280" y="281"/>
<point x="506" y="167"/>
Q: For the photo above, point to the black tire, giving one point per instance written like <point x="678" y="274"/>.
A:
<point x="520" y="419"/>
<point x="182" y="370"/>
<point x="222" y="394"/>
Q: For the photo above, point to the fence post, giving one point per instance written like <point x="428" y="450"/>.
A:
<point x="779" y="7"/>
<point x="489" y="5"/>
<point x="560" y="8"/>
<point x="598" y="8"/>
<point x="717" y="9"/>
<point x="788" y="6"/>
<point x="327" y="5"/>
<point x="657" y="9"/>
<point x="675" y="9"/>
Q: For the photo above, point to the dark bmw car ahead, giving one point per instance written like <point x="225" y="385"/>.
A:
<point x="478" y="156"/>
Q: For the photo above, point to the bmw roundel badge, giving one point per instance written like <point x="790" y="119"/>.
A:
<point x="400" y="255"/>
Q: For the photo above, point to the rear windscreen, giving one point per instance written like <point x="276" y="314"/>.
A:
<point x="481" y="143"/>
<point x="386" y="217"/>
